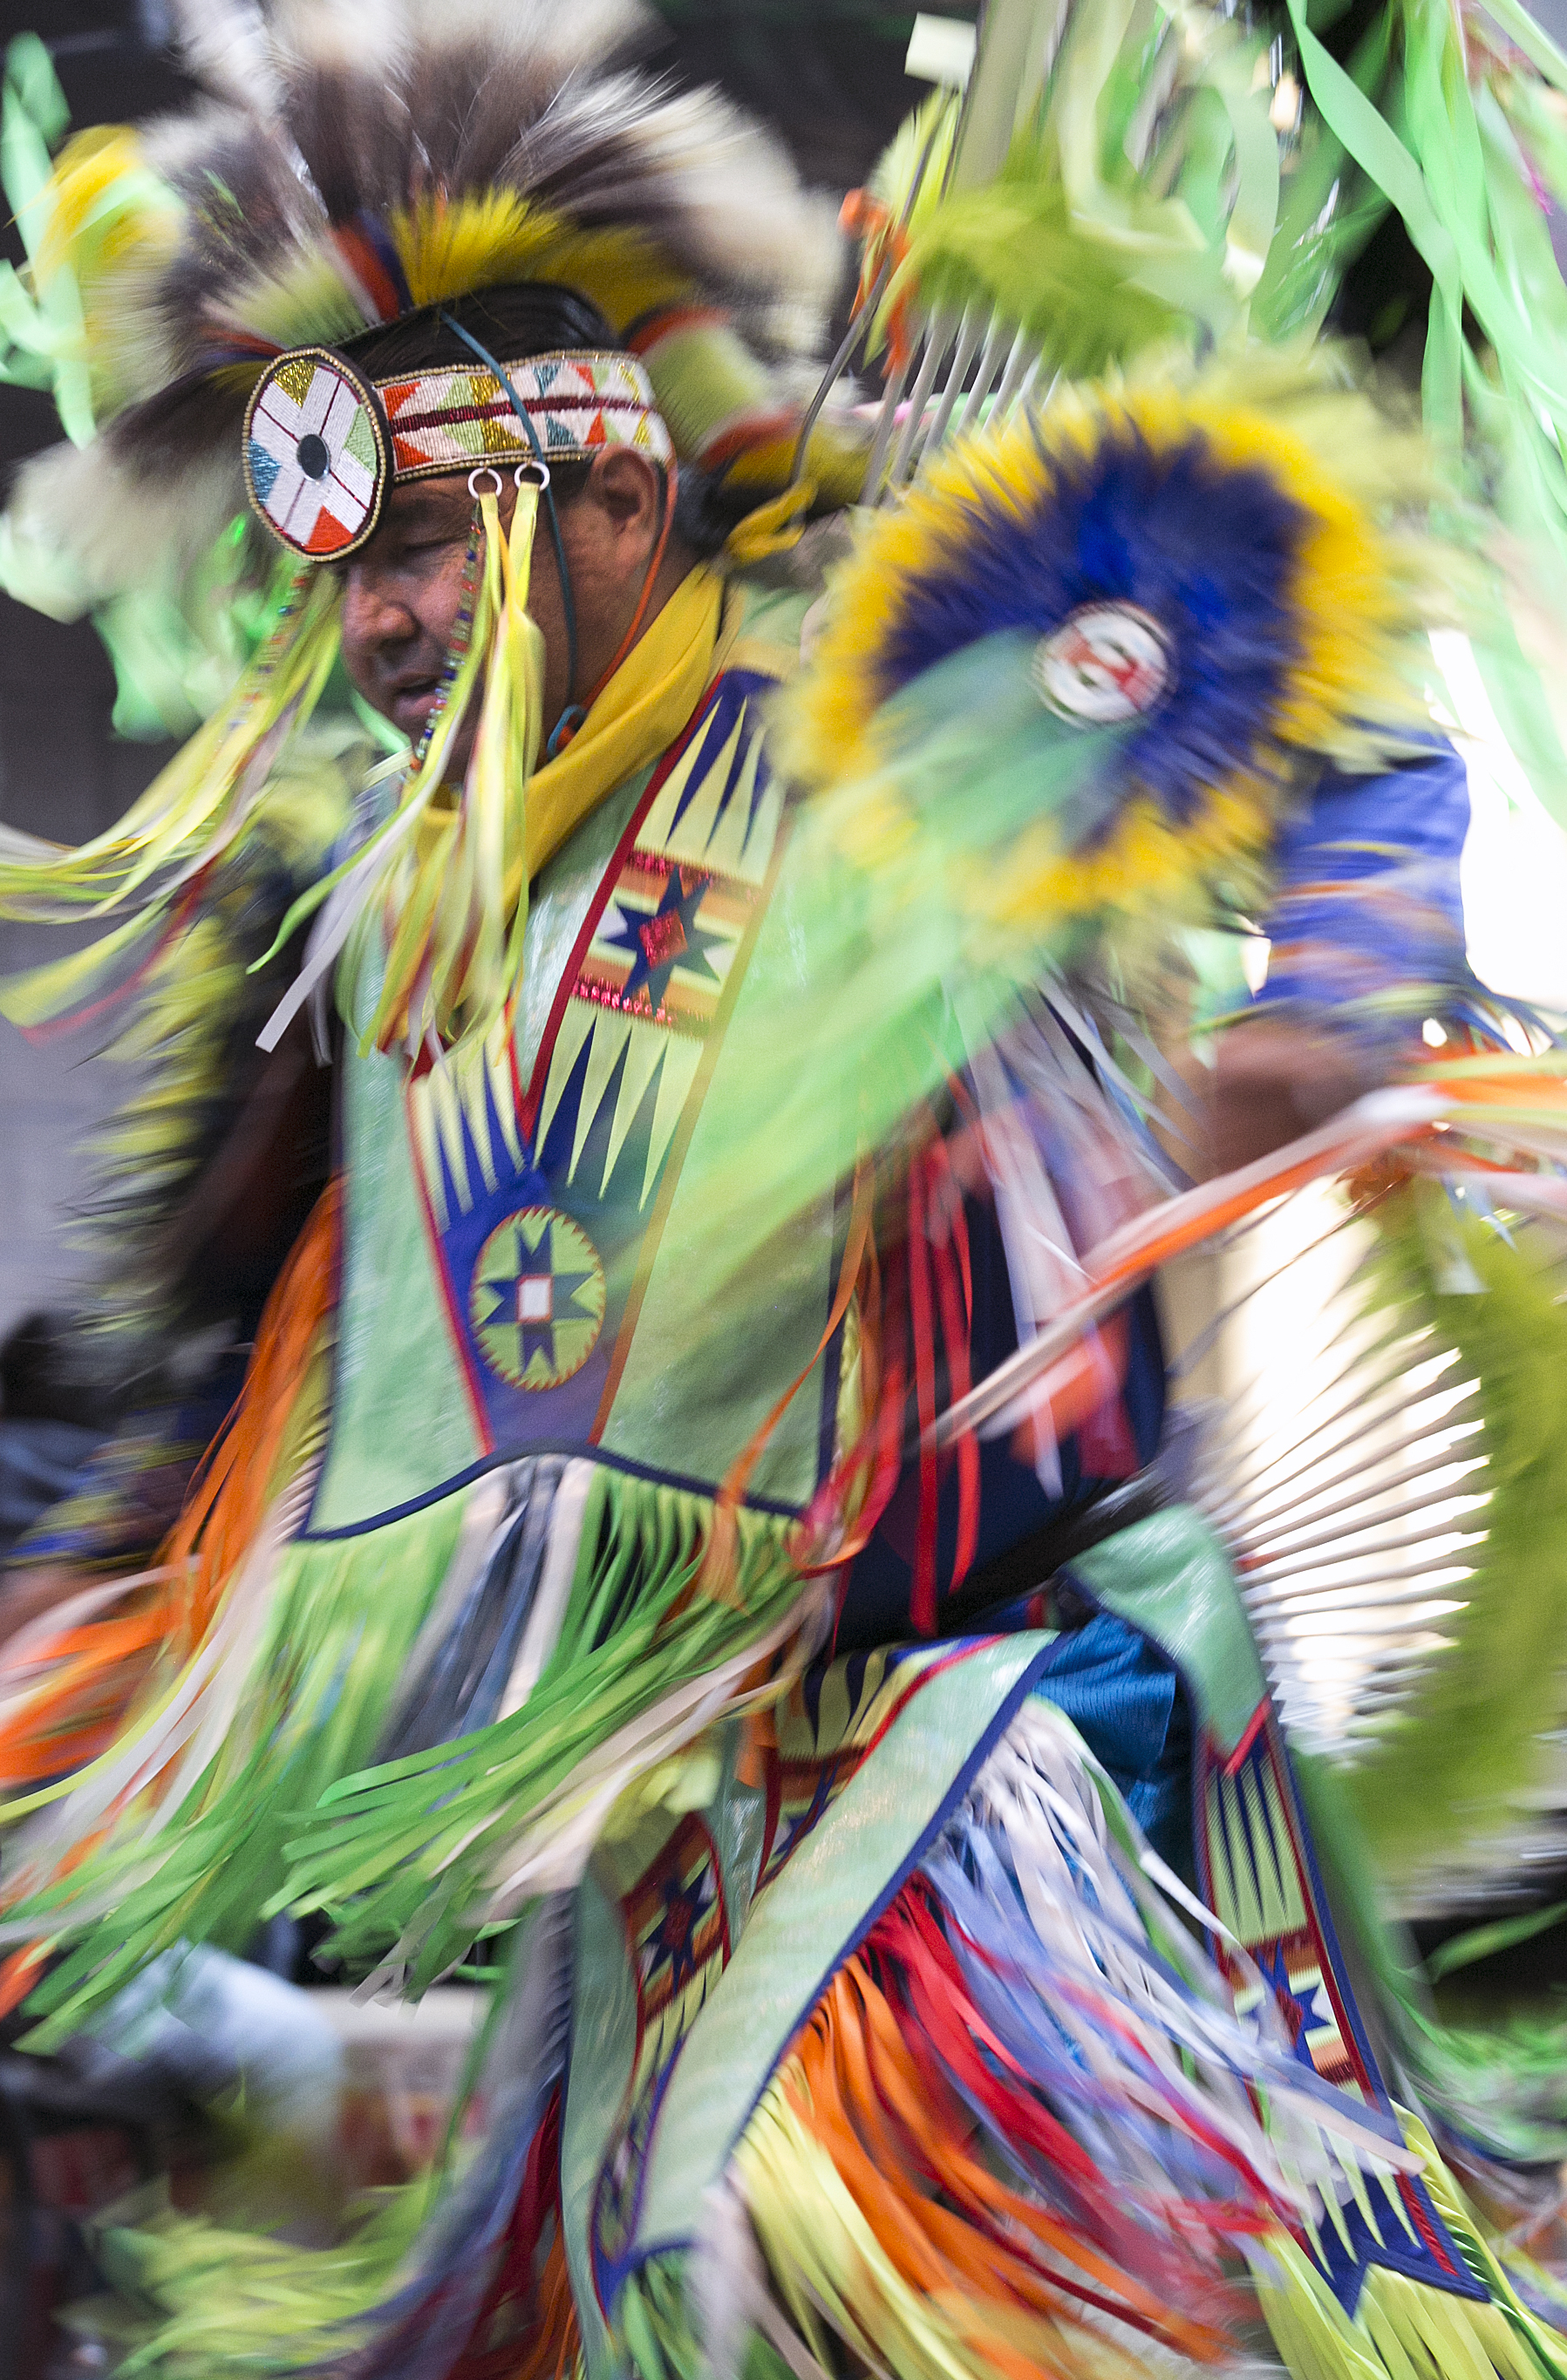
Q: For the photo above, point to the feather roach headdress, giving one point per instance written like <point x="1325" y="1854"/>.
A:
<point x="259" y="302"/>
<point x="356" y="164"/>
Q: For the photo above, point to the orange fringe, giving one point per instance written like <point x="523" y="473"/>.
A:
<point x="61" y="1719"/>
<point x="224" y="1510"/>
<point x="557" y="2341"/>
<point x="942" y="2218"/>
<point x="548" y="2348"/>
<point x="20" y="1973"/>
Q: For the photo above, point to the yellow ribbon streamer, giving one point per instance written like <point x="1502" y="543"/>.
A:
<point x="633" y="722"/>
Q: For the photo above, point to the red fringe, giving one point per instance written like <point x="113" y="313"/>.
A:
<point x="527" y="2327"/>
<point x="887" y="2073"/>
<point x="922" y="1596"/>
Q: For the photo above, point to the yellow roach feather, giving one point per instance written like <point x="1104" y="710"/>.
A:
<point x="306" y="302"/>
<point x="449" y="246"/>
<point x="835" y="461"/>
<point x="621" y="272"/>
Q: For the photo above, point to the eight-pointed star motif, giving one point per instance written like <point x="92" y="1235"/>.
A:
<point x="537" y="1300"/>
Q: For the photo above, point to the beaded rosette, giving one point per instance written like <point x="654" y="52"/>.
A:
<point x="322" y="444"/>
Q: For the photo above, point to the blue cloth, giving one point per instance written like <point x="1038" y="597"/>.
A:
<point x="1013" y="1504"/>
<point x="1127" y="1702"/>
<point x="39" y="1462"/>
<point x="1368" y="891"/>
<point x="116" y="1499"/>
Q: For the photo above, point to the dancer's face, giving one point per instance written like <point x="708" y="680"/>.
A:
<point x="402" y="591"/>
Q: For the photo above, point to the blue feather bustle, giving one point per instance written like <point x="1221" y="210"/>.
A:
<point x="1209" y="550"/>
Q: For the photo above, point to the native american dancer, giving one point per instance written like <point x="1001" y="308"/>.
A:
<point x="700" y="1523"/>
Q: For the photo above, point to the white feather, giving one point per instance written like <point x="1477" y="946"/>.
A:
<point x="572" y="34"/>
<point x="81" y="529"/>
<point x="753" y="222"/>
<point x="225" y="48"/>
<point x="339" y="32"/>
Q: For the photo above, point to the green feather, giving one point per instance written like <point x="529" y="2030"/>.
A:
<point x="1013" y="248"/>
<point x="411" y="1853"/>
<point x="198" y="2299"/>
<point x="912" y="169"/>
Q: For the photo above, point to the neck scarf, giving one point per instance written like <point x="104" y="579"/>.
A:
<point x="634" y="719"/>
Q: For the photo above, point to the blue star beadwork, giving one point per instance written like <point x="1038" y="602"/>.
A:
<point x="677" y="1938"/>
<point x="661" y="940"/>
<point x="538" y="1298"/>
<point x="1303" y="2005"/>
<point x="672" y="1942"/>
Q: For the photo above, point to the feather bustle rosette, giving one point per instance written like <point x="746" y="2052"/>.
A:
<point x="1261" y="529"/>
<point x="983" y="809"/>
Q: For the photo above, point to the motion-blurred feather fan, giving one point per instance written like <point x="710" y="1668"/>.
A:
<point x="1065" y="689"/>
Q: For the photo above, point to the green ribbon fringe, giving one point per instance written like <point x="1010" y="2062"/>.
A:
<point x="409" y="1854"/>
<point x="322" y="1681"/>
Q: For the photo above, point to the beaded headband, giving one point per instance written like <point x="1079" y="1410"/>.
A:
<point x="322" y="444"/>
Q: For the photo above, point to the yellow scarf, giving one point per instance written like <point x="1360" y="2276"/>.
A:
<point x="460" y="901"/>
<point x="640" y="713"/>
<point x="633" y="721"/>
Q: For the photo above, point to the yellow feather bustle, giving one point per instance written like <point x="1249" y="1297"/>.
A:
<point x="1364" y="589"/>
